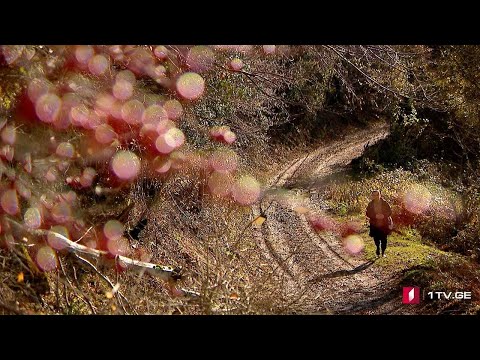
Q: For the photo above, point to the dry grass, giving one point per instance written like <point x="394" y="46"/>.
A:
<point x="208" y="237"/>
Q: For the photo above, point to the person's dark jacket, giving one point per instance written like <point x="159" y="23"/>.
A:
<point x="385" y="209"/>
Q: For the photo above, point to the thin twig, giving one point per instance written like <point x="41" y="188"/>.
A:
<point x="83" y="297"/>
<point x="104" y="277"/>
<point x="366" y="75"/>
<point x="86" y="232"/>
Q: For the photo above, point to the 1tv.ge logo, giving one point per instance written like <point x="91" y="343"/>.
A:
<point x="411" y="295"/>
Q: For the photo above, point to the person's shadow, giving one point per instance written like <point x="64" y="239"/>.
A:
<point x="339" y="273"/>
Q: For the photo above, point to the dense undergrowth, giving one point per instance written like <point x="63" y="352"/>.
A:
<point x="175" y="143"/>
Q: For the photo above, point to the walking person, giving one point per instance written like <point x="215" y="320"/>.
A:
<point x="381" y="224"/>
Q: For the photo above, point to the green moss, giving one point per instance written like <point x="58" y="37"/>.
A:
<point x="404" y="251"/>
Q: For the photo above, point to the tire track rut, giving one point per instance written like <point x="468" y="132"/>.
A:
<point x="315" y="265"/>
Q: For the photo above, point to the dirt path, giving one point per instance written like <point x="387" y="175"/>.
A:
<point x="320" y="277"/>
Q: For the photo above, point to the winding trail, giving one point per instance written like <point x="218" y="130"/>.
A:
<point x="320" y="277"/>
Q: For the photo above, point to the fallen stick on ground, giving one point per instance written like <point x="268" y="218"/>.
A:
<point x="162" y="271"/>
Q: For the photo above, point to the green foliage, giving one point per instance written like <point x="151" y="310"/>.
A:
<point x="403" y="252"/>
<point x="400" y="148"/>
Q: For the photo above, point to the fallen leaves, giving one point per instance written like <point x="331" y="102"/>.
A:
<point x="259" y="221"/>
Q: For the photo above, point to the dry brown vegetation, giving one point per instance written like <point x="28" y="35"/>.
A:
<point x="280" y="104"/>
